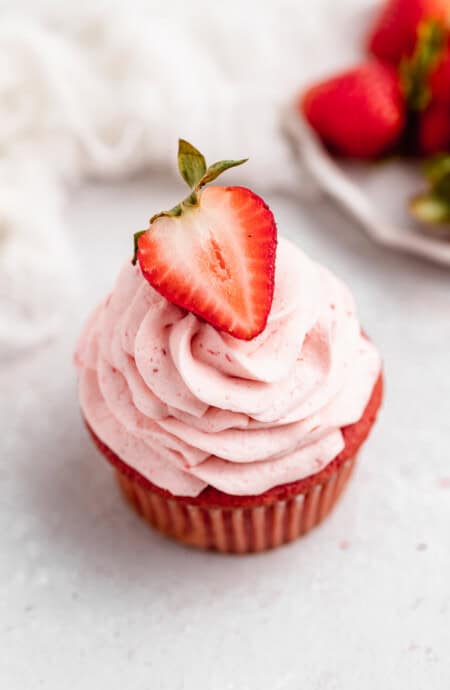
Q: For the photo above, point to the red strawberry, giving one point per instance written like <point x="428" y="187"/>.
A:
<point x="358" y="113"/>
<point x="434" y="129"/>
<point x="439" y="80"/>
<point x="395" y="32"/>
<point x="213" y="254"/>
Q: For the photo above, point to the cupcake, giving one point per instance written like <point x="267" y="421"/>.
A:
<point x="226" y="377"/>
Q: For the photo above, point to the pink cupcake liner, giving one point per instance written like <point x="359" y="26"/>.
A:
<point x="237" y="530"/>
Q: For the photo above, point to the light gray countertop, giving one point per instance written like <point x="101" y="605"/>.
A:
<point x="90" y="597"/>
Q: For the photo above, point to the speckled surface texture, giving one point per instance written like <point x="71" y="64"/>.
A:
<point x="90" y="597"/>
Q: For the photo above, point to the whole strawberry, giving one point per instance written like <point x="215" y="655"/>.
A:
<point x="394" y="34"/>
<point x="360" y="112"/>
<point x="213" y="254"/>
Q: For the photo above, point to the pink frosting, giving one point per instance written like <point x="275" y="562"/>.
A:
<point x="188" y="406"/>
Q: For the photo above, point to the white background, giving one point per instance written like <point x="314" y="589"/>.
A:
<point x="90" y="597"/>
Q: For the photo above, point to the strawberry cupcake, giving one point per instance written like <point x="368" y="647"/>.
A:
<point x="226" y="377"/>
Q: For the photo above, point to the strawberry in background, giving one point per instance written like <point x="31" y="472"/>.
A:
<point x="360" y="112"/>
<point x="398" y="100"/>
<point x="426" y="92"/>
<point x="394" y="34"/>
<point x="434" y="124"/>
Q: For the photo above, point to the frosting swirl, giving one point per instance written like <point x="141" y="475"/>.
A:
<point x="188" y="406"/>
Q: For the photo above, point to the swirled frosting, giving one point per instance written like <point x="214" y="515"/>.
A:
<point x="188" y="406"/>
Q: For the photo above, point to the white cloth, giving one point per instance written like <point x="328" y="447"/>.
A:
<point x="91" y="91"/>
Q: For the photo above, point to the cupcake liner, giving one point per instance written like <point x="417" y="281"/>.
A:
<point x="237" y="530"/>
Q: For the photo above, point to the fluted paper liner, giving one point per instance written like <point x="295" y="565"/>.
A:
<point x="238" y="530"/>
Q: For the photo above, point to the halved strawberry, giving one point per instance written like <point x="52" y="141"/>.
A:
<point x="213" y="254"/>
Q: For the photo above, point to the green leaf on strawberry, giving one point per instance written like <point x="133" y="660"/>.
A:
<point x="191" y="163"/>
<point x="415" y="70"/>
<point x="437" y="168"/>
<point x="193" y="169"/>
<point x="433" y="206"/>
<point x="217" y="169"/>
<point x="430" y="209"/>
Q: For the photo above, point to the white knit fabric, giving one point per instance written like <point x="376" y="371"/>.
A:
<point x="105" y="90"/>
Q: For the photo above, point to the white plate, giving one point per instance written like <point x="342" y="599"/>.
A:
<point x="376" y="194"/>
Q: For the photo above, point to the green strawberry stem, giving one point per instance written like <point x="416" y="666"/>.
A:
<point x="196" y="174"/>
<point x="433" y="206"/>
<point x="415" y="70"/>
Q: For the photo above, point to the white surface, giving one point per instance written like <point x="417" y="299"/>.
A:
<point x="90" y="597"/>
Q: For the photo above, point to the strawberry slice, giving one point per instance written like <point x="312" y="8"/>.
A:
<point x="214" y="253"/>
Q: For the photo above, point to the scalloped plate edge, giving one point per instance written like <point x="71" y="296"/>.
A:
<point x="331" y="178"/>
